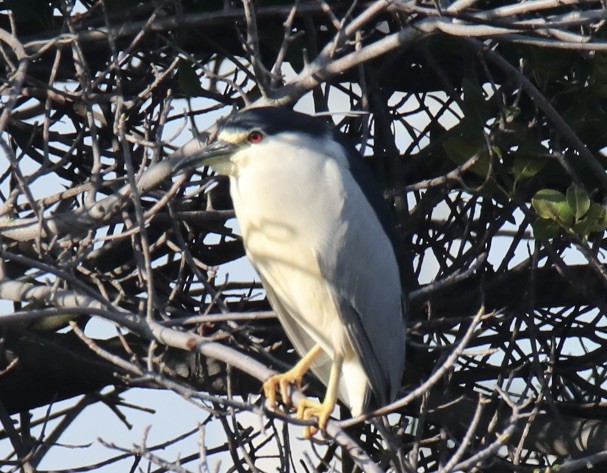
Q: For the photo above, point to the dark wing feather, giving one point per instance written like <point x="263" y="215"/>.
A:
<point x="359" y="264"/>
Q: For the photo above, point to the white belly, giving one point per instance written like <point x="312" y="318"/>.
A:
<point x="289" y="266"/>
<point x="289" y="209"/>
<point x="282" y="228"/>
<point x="309" y="315"/>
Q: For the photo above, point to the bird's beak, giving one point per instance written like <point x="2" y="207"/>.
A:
<point x="196" y="156"/>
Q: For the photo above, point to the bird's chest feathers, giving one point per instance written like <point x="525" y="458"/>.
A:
<point x="286" y="218"/>
<point x="286" y="203"/>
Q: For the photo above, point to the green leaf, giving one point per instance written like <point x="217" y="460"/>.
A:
<point x="474" y="104"/>
<point x="512" y="112"/>
<point x="582" y="229"/>
<point x="548" y="203"/>
<point x="527" y="166"/>
<point x="600" y="91"/>
<point x="459" y="149"/>
<point x="566" y="215"/>
<point x="544" y="229"/>
<point x="598" y="73"/>
<point x="594" y="221"/>
<point x="598" y="213"/>
<point x="188" y="81"/>
<point x="579" y="200"/>
<point x="497" y="151"/>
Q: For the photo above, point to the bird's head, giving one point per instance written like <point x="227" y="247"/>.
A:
<point x="251" y="134"/>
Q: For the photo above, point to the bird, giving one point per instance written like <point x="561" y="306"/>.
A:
<point x="320" y="235"/>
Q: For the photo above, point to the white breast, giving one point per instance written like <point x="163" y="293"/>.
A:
<point x="287" y="208"/>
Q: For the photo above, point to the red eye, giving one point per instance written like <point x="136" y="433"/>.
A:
<point x="255" y="137"/>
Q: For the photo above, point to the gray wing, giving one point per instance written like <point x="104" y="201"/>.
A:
<point x="360" y="265"/>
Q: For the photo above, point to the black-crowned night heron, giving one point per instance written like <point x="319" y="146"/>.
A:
<point x="316" y="229"/>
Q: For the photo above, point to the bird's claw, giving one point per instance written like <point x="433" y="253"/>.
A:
<point x="306" y="409"/>
<point x="282" y="381"/>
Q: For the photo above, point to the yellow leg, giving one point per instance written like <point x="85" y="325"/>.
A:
<point x="307" y="408"/>
<point x="293" y="376"/>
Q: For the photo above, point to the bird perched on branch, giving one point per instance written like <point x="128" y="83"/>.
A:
<point x="317" y="230"/>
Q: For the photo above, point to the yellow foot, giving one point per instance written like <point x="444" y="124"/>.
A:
<point x="306" y="409"/>
<point x="282" y="381"/>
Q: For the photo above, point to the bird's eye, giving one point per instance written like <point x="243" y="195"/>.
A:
<point x="255" y="137"/>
